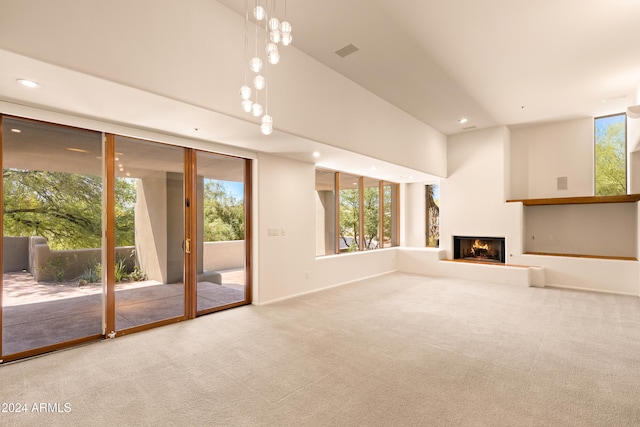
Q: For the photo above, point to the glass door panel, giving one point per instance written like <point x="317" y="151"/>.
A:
<point x="149" y="227"/>
<point x="220" y="227"/>
<point x="52" y="221"/>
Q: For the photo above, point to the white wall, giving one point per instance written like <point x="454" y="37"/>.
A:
<point x="287" y="263"/>
<point x="286" y="201"/>
<point x="151" y="225"/>
<point x="607" y="229"/>
<point x="472" y="197"/>
<point x="414" y="211"/>
<point x="473" y="203"/>
<point x="602" y="275"/>
<point x="541" y="154"/>
<point x="633" y="147"/>
<point x="223" y="255"/>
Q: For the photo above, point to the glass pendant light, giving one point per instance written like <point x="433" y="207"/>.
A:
<point x="259" y="13"/>
<point x="247" y="105"/>
<point x="255" y="64"/>
<point x="285" y="27"/>
<point x="275" y="36"/>
<point x="270" y="47"/>
<point x="273" y="57"/>
<point x="266" y="129"/>
<point x="267" y="119"/>
<point x="274" y="23"/>
<point x="266" y="126"/>
<point x="259" y="82"/>
<point x="245" y="92"/>
<point x="256" y="109"/>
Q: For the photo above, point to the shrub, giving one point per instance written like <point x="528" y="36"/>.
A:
<point x="57" y="267"/>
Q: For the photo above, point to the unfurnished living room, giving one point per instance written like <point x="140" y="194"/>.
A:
<point x="302" y="213"/>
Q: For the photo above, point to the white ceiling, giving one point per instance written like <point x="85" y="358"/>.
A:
<point x="495" y="62"/>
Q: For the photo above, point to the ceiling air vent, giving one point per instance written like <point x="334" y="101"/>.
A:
<point x="347" y="50"/>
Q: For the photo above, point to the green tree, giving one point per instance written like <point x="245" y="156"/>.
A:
<point x="64" y="208"/>
<point x="125" y="203"/>
<point x="371" y="211"/>
<point x="223" y="213"/>
<point x="350" y="218"/>
<point x="388" y="197"/>
<point x="433" y="216"/>
<point x="611" y="159"/>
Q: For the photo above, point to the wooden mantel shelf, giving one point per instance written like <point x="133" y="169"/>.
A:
<point x="579" y="200"/>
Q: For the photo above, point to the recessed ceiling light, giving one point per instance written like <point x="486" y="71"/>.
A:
<point x="29" y="83"/>
<point x="463" y="120"/>
<point x="14" y="130"/>
<point x="316" y="154"/>
<point x="373" y="168"/>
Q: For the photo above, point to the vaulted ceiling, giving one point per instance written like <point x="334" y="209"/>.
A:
<point x="494" y="62"/>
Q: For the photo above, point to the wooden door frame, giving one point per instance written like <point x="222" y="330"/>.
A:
<point x="190" y="234"/>
<point x="248" y="237"/>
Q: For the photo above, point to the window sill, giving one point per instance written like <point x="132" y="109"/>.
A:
<point x="617" y="258"/>
<point x="630" y="198"/>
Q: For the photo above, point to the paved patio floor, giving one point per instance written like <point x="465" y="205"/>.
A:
<point x="40" y="314"/>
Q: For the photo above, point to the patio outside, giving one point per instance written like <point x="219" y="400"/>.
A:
<point x="40" y="314"/>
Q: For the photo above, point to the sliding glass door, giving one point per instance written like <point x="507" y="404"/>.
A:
<point x="51" y="249"/>
<point x="221" y="232"/>
<point x="105" y="235"/>
<point x="149" y="199"/>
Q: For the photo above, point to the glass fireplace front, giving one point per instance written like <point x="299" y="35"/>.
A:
<point x="483" y="249"/>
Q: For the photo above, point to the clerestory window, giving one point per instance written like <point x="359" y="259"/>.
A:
<point x="611" y="155"/>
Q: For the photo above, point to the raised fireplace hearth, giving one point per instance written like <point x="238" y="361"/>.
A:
<point x="480" y="249"/>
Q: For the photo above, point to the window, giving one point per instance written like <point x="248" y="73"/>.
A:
<point x="325" y="212"/>
<point x="432" y="193"/>
<point x="371" y="214"/>
<point x="349" y="213"/>
<point x="611" y="155"/>
<point x="390" y="219"/>
<point x="354" y="213"/>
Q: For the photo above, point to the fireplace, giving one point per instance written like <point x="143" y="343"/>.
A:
<point x="483" y="249"/>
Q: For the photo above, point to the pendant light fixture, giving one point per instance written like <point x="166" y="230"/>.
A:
<point x="268" y="32"/>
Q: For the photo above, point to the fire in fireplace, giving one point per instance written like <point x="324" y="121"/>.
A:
<point x="485" y="249"/>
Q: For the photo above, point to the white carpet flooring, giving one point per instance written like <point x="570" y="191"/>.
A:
<point x="396" y="350"/>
